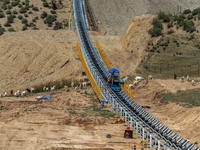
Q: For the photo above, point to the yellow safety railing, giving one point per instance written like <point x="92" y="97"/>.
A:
<point x="127" y="90"/>
<point x="124" y="86"/>
<point x="108" y="65"/>
<point x="96" y="88"/>
<point x="87" y="15"/>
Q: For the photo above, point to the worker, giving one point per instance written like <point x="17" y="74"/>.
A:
<point x="110" y="78"/>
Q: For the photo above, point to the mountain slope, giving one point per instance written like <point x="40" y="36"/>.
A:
<point x="115" y="15"/>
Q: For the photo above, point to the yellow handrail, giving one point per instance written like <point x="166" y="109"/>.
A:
<point x="127" y="90"/>
<point x="96" y="88"/>
<point x="106" y="62"/>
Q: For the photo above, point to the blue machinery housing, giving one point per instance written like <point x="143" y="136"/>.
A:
<point x="148" y="128"/>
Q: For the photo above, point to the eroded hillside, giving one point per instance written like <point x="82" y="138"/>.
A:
<point x="115" y="15"/>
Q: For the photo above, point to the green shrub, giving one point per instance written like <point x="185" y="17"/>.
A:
<point x="44" y="14"/>
<point x="176" y="18"/>
<point x="53" y="11"/>
<point x="196" y="11"/>
<point x="6" y="2"/>
<point x="45" y="4"/>
<point x="4" y="7"/>
<point x="163" y="16"/>
<point x="190" y="17"/>
<point x="181" y="19"/>
<point x="15" y="12"/>
<point x="170" y="32"/>
<point x="24" y="21"/>
<point x="191" y="37"/>
<point x="31" y="6"/>
<point x="154" y="32"/>
<point x="58" y="25"/>
<point x="7" y="24"/>
<point x="10" y="19"/>
<point x="9" y="7"/>
<point x="24" y="28"/>
<point x="11" y="30"/>
<point x="22" y="10"/>
<point x="189" y="26"/>
<point x="31" y="24"/>
<point x="2" y="30"/>
<point x="33" y="20"/>
<point x="49" y="25"/>
<point x="19" y="5"/>
<point x="2" y="15"/>
<point x="169" y="25"/>
<point x="156" y="23"/>
<point x="8" y="12"/>
<point x="14" y="3"/>
<point x="20" y="17"/>
<point x="35" y="8"/>
<point x="157" y="28"/>
<point x="152" y="50"/>
<point x="50" y="19"/>
<point x="36" y="18"/>
<point x="14" y="16"/>
<point x="26" y="15"/>
<point x="186" y="11"/>
<point x="27" y="8"/>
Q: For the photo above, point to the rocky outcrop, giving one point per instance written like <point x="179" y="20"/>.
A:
<point x="57" y="4"/>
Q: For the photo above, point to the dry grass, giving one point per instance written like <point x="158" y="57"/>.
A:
<point x="189" y="98"/>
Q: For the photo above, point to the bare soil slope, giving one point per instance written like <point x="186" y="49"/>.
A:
<point x="37" y="57"/>
<point x="184" y="121"/>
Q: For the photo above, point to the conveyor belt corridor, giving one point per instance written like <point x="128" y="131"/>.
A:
<point x="148" y="128"/>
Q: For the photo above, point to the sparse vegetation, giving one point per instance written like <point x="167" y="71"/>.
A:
<point x="58" y="25"/>
<point x="15" y="7"/>
<point x="95" y="109"/>
<point x="187" y="98"/>
<point x="11" y="30"/>
<point x="24" y="28"/>
<point x="157" y="28"/>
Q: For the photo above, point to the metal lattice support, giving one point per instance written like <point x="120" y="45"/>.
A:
<point x="96" y="88"/>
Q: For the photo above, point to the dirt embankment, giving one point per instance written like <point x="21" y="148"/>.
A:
<point x="184" y="121"/>
<point x="37" y="57"/>
<point x="70" y="120"/>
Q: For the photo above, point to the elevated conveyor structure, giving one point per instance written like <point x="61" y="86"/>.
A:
<point x="148" y="128"/>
